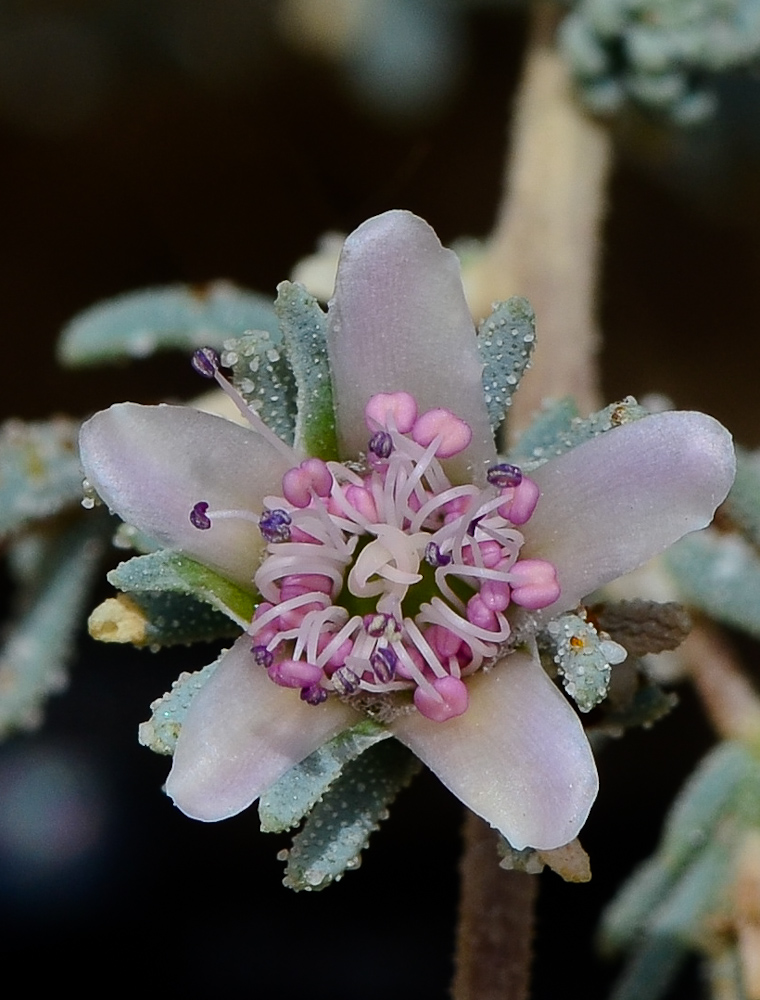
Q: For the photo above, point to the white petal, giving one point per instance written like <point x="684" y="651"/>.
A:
<point x="399" y="322"/>
<point x="242" y="732"/>
<point x="151" y="464"/>
<point x="616" y="501"/>
<point x="518" y="756"/>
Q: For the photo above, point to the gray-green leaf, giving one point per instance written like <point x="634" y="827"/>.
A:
<point x="40" y="641"/>
<point x="161" y="732"/>
<point x="743" y="501"/>
<point x="720" y="574"/>
<point x="40" y="473"/>
<point x="176" y="619"/>
<point x="339" y="826"/>
<point x="304" y="330"/>
<point x="262" y="375"/>
<point x="289" y="800"/>
<point x="506" y="340"/>
<point x="183" y="317"/>
<point x="583" y="658"/>
<point x="557" y="430"/>
<point x="166" y="571"/>
<point x="708" y="795"/>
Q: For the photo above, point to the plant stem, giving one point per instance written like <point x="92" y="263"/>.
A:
<point x="494" y="946"/>
<point x="546" y="247"/>
<point x="546" y="243"/>
<point x="730" y="701"/>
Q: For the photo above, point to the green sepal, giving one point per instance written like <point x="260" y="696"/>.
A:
<point x="173" y="619"/>
<point x="40" y="474"/>
<point x="182" y="317"/>
<point x="506" y="339"/>
<point x="720" y="575"/>
<point x="161" y="732"/>
<point x="262" y="375"/>
<point x="557" y="430"/>
<point x="166" y="571"/>
<point x="583" y="658"/>
<point x="339" y="825"/>
<point x="53" y="599"/>
<point x="290" y="799"/>
<point x="304" y="330"/>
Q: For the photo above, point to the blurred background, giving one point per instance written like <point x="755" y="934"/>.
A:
<point x="145" y="142"/>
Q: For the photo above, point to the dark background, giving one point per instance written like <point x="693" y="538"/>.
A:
<point x="161" y="171"/>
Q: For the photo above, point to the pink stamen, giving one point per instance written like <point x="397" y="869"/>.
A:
<point x="295" y="673"/>
<point x="480" y="614"/>
<point x="520" y="501"/>
<point x="443" y="641"/>
<point x="449" y="701"/>
<point x="363" y="502"/>
<point x="391" y="411"/>
<point x="374" y="531"/>
<point x="304" y="583"/>
<point x="454" y="433"/>
<point x="311" y="477"/>
<point x="333" y="654"/>
<point x="494" y="595"/>
<point x="534" y="583"/>
<point x="266" y="630"/>
<point x="483" y="554"/>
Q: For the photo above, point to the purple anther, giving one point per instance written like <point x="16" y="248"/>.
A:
<point x="434" y="557"/>
<point x="345" y="681"/>
<point x="313" y="695"/>
<point x="380" y="624"/>
<point x="262" y="657"/>
<point x="504" y="475"/>
<point x="198" y="517"/>
<point x="473" y="525"/>
<point x="274" y="525"/>
<point x="381" y="444"/>
<point x="206" y="361"/>
<point x="383" y="662"/>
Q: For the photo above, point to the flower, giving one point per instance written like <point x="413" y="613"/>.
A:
<point x="409" y="565"/>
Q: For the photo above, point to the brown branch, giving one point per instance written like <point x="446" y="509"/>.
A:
<point x="546" y="243"/>
<point x="730" y="701"/>
<point x="494" y="946"/>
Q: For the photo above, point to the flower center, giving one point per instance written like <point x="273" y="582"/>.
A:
<point x="383" y="576"/>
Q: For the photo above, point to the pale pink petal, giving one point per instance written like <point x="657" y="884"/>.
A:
<point x="152" y="464"/>
<point x="399" y="322"/>
<point x="518" y="756"/>
<point x="612" y="503"/>
<point x="242" y="732"/>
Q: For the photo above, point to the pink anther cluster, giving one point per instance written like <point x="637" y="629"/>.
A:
<point x="386" y="577"/>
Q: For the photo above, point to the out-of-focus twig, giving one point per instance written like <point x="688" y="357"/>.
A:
<point x="546" y="242"/>
<point x="731" y="702"/>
